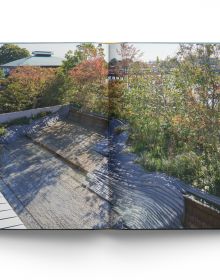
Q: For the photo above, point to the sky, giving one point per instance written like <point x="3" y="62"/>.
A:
<point x="150" y="50"/>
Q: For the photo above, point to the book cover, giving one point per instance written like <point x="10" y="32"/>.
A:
<point x="109" y="136"/>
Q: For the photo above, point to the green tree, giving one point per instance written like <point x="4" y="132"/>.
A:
<point x="25" y="88"/>
<point x="84" y="51"/>
<point x="168" y="64"/>
<point x="11" y="52"/>
<point x="113" y="62"/>
<point x="60" y="90"/>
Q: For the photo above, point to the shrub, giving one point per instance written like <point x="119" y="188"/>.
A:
<point x="115" y="97"/>
<point x="41" y="115"/>
<point x="184" y="166"/>
<point x="174" y="119"/>
<point x="2" y="130"/>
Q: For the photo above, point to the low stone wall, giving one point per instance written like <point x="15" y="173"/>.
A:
<point x="7" y="117"/>
<point x="200" y="216"/>
<point x="16" y="131"/>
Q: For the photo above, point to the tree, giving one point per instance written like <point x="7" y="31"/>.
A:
<point x="88" y="51"/>
<point x="59" y="90"/>
<point x="93" y="70"/>
<point x="25" y="87"/>
<point x="81" y="79"/>
<point x="71" y="60"/>
<point x="11" y="52"/>
<point x="113" y="62"/>
<point x="85" y="72"/>
<point x="128" y="54"/>
<point x="168" y="64"/>
<point x="197" y="74"/>
<point x="138" y="68"/>
<point x="84" y="51"/>
<point x="89" y="85"/>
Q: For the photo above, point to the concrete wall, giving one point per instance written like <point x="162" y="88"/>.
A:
<point x="89" y="120"/>
<point x="200" y="216"/>
<point x="4" y="118"/>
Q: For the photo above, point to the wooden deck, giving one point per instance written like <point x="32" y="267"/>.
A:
<point x="8" y="218"/>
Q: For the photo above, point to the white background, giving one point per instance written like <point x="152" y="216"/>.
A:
<point x="109" y="254"/>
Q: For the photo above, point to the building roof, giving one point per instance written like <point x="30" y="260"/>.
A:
<point x="38" y="58"/>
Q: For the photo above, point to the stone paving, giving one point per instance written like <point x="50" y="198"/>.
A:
<point x="46" y="192"/>
<point x="73" y="142"/>
<point x="70" y="174"/>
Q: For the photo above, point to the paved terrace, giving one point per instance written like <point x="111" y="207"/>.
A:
<point x="73" y="173"/>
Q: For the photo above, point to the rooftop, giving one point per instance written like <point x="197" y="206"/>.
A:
<point x="38" y="58"/>
<point x="58" y="175"/>
<point x="71" y="170"/>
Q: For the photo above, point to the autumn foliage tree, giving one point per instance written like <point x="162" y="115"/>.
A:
<point x="84" y="51"/>
<point x="90" y="80"/>
<point x="25" y="87"/>
<point x="93" y="70"/>
<point x="81" y="79"/>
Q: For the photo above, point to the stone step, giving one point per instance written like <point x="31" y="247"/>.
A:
<point x="73" y="143"/>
